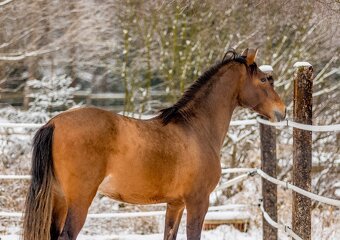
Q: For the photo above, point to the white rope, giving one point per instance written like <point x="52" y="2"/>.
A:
<point x="305" y="193"/>
<point x="313" y="128"/>
<point x="11" y="214"/>
<point x="20" y="125"/>
<point x="127" y="214"/>
<point x="232" y="182"/>
<point x="284" y="228"/>
<point x="101" y="215"/>
<point x="274" y="124"/>
<point x="135" y="214"/>
<point x="287" y="185"/>
<point x="15" y="177"/>
<point x="237" y="170"/>
<point x="242" y="122"/>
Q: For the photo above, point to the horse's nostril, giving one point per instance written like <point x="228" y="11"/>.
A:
<point x="279" y="116"/>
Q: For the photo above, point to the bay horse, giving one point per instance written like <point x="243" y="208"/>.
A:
<point x="173" y="158"/>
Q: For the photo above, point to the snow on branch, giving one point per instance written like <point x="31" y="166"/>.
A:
<point x="3" y="3"/>
<point x="21" y="56"/>
<point x="302" y="64"/>
<point x="266" y="68"/>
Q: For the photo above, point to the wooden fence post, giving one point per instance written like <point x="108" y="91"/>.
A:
<point x="26" y="93"/>
<point x="302" y="149"/>
<point x="268" y="165"/>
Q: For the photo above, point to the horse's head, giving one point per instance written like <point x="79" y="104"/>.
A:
<point x="257" y="93"/>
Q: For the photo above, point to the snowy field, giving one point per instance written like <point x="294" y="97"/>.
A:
<point x="325" y="225"/>
<point x="15" y="145"/>
<point x="223" y="232"/>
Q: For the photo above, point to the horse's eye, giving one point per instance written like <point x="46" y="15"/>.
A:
<point x="263" y="80"/>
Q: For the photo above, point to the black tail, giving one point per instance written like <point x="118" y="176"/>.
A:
<point x="38" y="212"/>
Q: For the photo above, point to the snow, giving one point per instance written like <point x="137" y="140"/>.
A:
<point x="137" y="115"/>
<point x="229" y="207"/>
<point x="337" y="192"/>
<point x="227" y="215"/>
<point x="19" y="125"/>
<point x="266" y="68"/>
<point x="302" y="64"/>
<point x="222" y="232"/>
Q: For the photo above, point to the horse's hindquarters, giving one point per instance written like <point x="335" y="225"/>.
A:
<point x="80" y="150"/>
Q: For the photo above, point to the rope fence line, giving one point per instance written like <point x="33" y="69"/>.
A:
<point x="285" y="123"/>
<point x="247" y="172"/>
<point x="100" y="215"/>
<point x="212" y="209"/>
<point x="286" y="229"/>
<point x="14" y="177"/>
<point x="303" y="192"/>
<point x="287" y="185"/>
<point x="312" y="128"/>
<point x="20" y="125"/>
<point x="233" y="181"/>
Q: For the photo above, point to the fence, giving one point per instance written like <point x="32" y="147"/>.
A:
<point x="267" y="205"/>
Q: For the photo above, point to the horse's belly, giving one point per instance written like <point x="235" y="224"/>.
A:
<point x="127" y="192"/>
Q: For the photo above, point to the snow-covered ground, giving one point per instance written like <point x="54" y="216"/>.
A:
<point x="325" y="220"/>
<point x="222" y="232"/>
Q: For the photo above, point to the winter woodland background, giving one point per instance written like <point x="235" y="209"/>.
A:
<point x="139" y="56"/>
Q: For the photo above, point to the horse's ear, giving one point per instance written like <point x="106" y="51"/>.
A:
<point x="250" y="55"/>
<point x="245" y="53"/>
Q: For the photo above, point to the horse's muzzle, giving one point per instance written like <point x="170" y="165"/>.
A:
<point x="280" y="115"/>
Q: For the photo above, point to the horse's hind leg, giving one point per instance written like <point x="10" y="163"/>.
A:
<point x="78" y="192"/>
<point x="59" y="212"/>
<point x="173" y="217"/>
<point x="79" y="170"/>
<point x="75" y="220"/>
<point x="69" y="214"/>
<point x="77" y="209"/>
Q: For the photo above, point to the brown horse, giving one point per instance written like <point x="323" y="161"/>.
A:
<point x="173" y="158"/>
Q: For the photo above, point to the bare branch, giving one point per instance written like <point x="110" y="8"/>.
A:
<point x="3" y="3"/>
<point x="22" y="56"/>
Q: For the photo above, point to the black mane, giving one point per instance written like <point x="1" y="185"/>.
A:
<point x="177" y="111"/>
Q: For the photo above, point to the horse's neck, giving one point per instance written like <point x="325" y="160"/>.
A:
<point x="213" y="111"/>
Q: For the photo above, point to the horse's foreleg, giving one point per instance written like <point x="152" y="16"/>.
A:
<point x="196" y="210"/>
<point x="173" y="217"/>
